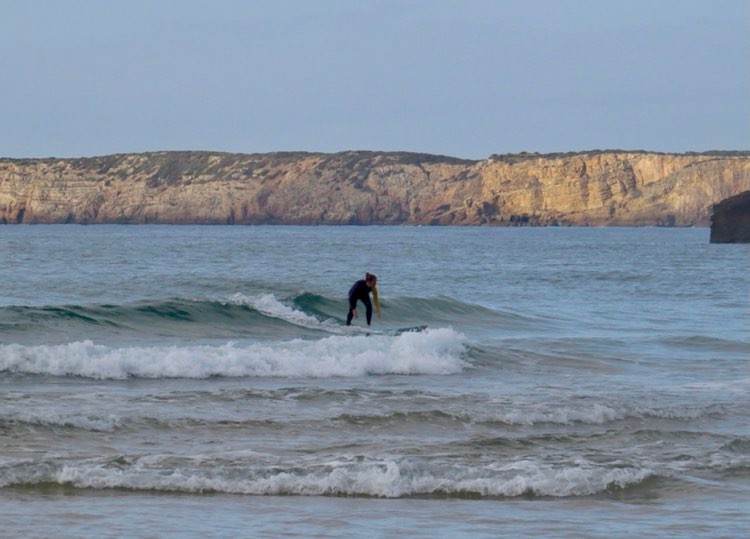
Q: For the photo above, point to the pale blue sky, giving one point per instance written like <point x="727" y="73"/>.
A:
<point x="466" y="78"/>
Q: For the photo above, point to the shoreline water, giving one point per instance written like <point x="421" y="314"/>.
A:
<point x="220" y="515"/>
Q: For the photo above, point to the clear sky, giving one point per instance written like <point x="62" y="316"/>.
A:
<point x="466" y="78"/>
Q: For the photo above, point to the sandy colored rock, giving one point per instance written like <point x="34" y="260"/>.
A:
<point x="587" y="188"/>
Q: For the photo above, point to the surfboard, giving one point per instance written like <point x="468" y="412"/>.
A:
<point x="394" y="330"/>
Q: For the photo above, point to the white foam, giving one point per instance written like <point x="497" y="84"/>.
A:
<point x="592" y="413"/>
<point x="269" y="305"/>
<point x="387" y="478"/>
<point x="437" y="351"/>
<point x="53" y="419"/>
<point x="595" y="414"/>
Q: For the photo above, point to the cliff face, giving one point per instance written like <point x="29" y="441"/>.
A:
<point x="594" y="188"/>
<point x="730" y="222"/>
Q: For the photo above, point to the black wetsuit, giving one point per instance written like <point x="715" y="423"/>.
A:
<point x="359" y="291"/>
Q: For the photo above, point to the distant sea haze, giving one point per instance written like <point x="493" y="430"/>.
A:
<point x="596" y="188"/>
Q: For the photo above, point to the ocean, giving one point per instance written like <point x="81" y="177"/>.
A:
<point x="198" y="381"/>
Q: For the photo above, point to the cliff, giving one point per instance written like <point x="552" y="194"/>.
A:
<point x="587" y="188"/>
<point x="730" y="222"/>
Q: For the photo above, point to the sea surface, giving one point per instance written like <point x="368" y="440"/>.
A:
<point x="198" y="381"/>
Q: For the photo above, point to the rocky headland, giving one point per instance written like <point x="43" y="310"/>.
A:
<point x="730" y="222"/>
<point x="595" y="188"/>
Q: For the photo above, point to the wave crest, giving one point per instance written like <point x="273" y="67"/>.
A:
<point x="396" y="478"/>
<point x="437" y="351"/>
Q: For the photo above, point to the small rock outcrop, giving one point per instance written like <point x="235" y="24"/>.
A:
<point x="595" y="188"/>
<point x="730" y="222"/>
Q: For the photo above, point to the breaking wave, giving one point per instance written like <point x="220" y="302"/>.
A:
<point x="437" y="351"/>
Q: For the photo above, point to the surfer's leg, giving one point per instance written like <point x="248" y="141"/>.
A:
<point x="352" y="307"/>
<point x="368" y="306"/>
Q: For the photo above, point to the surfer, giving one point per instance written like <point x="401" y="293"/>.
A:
<point x="360" y="291"/>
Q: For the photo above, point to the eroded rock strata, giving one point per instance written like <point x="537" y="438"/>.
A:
<point x="587" y="188"/>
